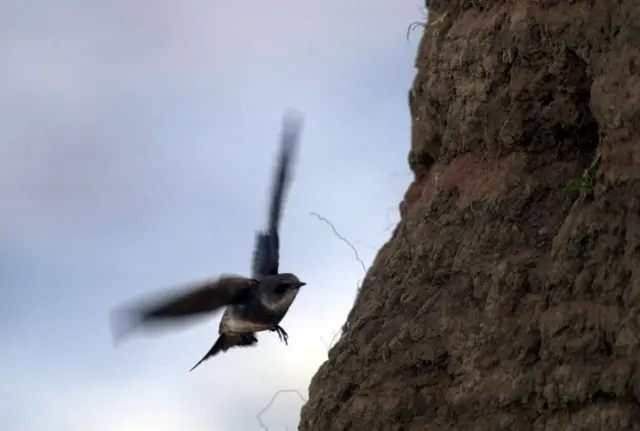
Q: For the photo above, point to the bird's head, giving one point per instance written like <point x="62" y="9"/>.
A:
<point x="287" y="282"/>
<point x="279" y="291"/>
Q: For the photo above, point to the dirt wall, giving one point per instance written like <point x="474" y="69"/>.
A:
<point x="500" y="302"/>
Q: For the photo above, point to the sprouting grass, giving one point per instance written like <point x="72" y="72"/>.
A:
<point x="586" y="181"/>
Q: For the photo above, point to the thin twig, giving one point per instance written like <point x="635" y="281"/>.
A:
<point x="333" y="339"/>
<point x="273" y="398"/>
<point x="335" y="335"/>
<point x="366" y="244"/>
<point x="413" y="26"/>
<point x="417" y="24"/>
<point x="346" y="241"/>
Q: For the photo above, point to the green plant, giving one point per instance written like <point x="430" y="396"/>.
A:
<point x="586" y="181"/>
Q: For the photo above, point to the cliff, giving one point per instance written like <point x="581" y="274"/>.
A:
<point x="501" y="302"/>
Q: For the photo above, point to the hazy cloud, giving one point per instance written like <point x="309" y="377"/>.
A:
<point x="136" y="144"/>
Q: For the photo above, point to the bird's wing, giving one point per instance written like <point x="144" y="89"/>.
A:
<point x="266" y="254"/>
<point x="200" y="298"/>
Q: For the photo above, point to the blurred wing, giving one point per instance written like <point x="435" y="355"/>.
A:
<point x="266" y="254"/>
<point x="201" y="298"/>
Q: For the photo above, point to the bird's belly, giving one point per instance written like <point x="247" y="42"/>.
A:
<point x="240" y="325"/>
<point x="235" y="320"/>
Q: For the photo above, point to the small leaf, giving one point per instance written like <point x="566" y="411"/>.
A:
<point x="572" y="186"/>
<point x="594" y="167"/>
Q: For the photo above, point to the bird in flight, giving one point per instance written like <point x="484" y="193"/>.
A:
<point x="251" y="304"/>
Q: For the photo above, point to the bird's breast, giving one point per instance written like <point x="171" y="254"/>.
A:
<point x="236" y="321"/>
<point x="276" y="304"/>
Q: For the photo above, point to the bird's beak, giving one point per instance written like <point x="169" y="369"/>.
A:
<point x="300" y="284"/>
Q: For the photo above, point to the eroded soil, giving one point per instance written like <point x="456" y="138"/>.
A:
<point x="499" y="302"/>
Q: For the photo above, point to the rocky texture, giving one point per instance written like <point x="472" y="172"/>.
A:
<point x="499" y="302"/>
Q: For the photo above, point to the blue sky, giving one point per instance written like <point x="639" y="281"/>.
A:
<point x="136" y="146"/>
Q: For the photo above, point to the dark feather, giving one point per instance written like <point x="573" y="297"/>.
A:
<point x="266" y="254"/>
<point x="204" y="297"/>
<point x="225" y="342"/>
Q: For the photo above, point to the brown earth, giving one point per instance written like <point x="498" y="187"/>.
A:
<point x="499" y="302"/>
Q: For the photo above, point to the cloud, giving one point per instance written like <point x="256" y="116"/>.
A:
<point x="136" y="147"/>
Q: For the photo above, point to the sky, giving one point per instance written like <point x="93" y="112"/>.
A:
<point x="137" y="141"/>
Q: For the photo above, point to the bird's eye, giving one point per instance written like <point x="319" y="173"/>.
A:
<point x="282" y="288"/>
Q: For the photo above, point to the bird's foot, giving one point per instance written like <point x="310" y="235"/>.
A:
<point x="282" y="334"/>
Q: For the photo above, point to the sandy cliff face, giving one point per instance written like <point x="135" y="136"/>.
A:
<point x="499" y="302"/>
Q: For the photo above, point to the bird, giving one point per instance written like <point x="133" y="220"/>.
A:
<point x="251" y="304"/>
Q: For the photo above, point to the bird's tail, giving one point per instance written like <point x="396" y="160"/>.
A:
<point x="225" y="342"/>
